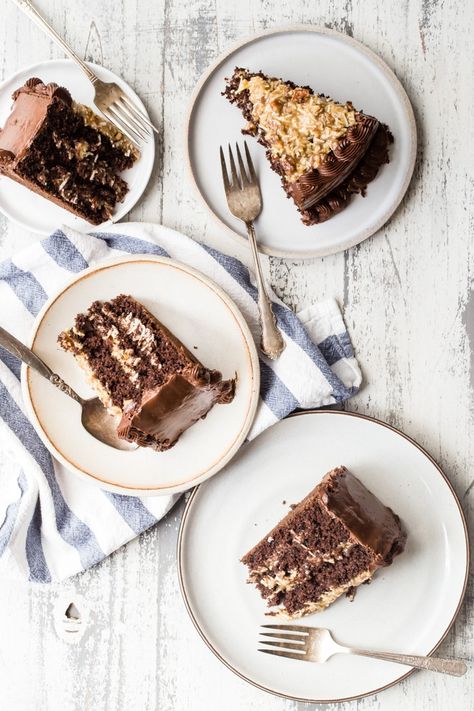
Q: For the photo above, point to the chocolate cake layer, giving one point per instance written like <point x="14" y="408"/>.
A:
<point x="323" y="151"/>
<point x="331" y="542"/>
<point x="65" y="152"/>
<point x="142" y="372"/>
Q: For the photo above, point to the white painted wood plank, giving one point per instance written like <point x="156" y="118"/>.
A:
<point x="407" y="294"/>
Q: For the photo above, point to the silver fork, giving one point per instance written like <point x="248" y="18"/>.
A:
<point x="109" y="97"/>
<point x="245" y="202"/>
<point x="315" y="644"/>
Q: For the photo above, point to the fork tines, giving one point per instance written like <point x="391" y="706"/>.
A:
<point x="288" y="639"/>
<point x="241" y="186"/>
<point x="128" y="118"/>
<point x="238" y="181"/>
<point x="118" y="108"/>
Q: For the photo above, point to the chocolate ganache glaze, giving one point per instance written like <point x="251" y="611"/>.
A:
<point x="369" y="521"/>
<point x="165" y="412"/>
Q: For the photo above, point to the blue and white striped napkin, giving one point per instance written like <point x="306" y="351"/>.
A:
<point x="52" y="525"/>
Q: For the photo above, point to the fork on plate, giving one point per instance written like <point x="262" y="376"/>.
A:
<point x="109" y="98"/>
<point x="244" y="199"/>
<point x="315" y="644"/>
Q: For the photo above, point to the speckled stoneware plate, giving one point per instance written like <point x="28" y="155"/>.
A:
<point x="208" y="323"/>
<point x="409" y="606"/>
<point x="35" y="213"/>
<point x="331" y="63"/>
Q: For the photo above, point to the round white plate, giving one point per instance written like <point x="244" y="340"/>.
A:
<point x="209" y="324"/>
<point x="409" y="606"/>
<point x="331" y="63"/>
<point x="34" y="212"/>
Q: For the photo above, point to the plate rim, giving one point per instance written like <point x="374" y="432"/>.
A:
<point x="94" y="66"/>
<point x="180" y="567"/>
<point x="395" y="82"/>
<point x="253" y="396"/>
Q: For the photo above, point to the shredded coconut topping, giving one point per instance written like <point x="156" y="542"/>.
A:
<point x="300" y="128"/>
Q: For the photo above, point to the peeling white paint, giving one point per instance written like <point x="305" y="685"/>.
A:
<point x="406" y="295"/>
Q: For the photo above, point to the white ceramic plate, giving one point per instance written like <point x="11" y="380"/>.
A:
<point x="35" y="213"/>
<point x="409" y="606"/>
<point x="204" y="318"/>
<point x="331" y="63"/>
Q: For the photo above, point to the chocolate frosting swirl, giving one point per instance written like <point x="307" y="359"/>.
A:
<point x="356" y="182"/>
<point x="32" y="82"/>
<point x="311" y="187"/>
<point x="51" y="90"/>
<point x="330" y="166"/>
<point x="363" y="131"/>
<point x="346" y="151"/>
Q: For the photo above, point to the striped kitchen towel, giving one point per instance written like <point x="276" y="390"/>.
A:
<point x="52" y="525"/>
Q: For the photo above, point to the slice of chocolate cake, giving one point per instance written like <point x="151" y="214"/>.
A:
<point x="331" y="542"/>
<point x="142" y="372"/>
<point x="64" y="152"/>
<point x="323" y="151"/>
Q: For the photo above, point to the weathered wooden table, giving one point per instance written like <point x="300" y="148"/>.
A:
<point x="408" y="301"/>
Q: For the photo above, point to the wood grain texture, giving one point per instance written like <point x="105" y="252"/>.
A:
<point x="409" y="305"/>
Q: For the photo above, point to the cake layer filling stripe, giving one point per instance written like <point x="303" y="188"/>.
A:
<point x="280" y="577"/>
<point x="118" y="345"/>
<point x="326" y="599"/>
<point x="100" y="388"/>
<point x="295" y="589"/>
<point x="106" y="370"/>
<point x="140" y="342"/>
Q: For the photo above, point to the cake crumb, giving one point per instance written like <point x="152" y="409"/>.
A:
<point x="351" y="593"/>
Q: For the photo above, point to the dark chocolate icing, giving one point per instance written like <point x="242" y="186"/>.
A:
<point x="356" y="182"/>
<point x="35" y="87"/>
<point x="31" y="102"/>
<point x="313" y="186"/>
<point x="165" y="412"/>
<point x="368" y="520"/>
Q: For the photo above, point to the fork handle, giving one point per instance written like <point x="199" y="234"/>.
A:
<point x="455" y="667"/>
<point x="25" y="354"/>
<point x="39" y="20"/>
<point x="272" y="344"/>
